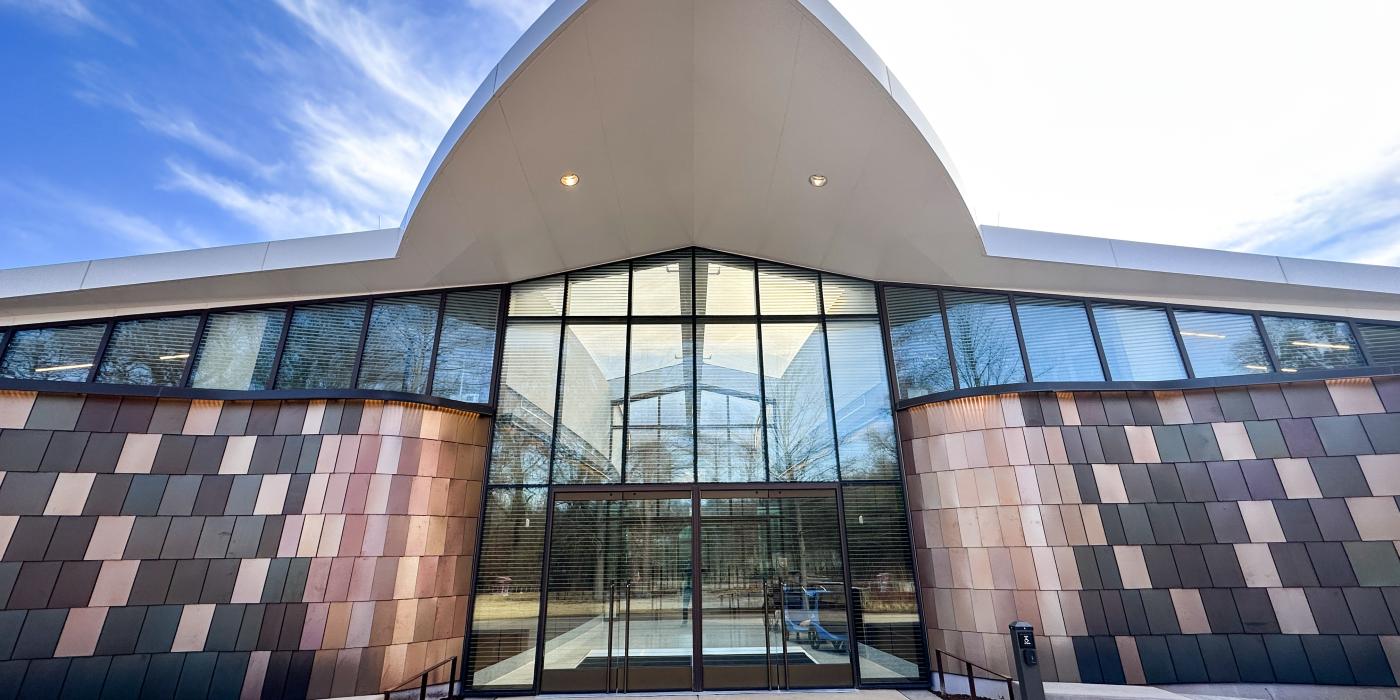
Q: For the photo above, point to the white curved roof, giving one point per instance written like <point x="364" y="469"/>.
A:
<point x="690" y="122"/>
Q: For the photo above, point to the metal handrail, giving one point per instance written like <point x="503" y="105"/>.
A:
<point x="422" y="679"/>
<point x="938" y="655"/>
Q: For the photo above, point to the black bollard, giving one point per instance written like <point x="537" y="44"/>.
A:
<point x="1027" y="662"/>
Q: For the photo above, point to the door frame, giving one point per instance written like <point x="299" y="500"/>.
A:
<point x="697" y="616"/>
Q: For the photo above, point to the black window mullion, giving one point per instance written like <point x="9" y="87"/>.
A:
<point x="1026" y="374"/>
<point x="1180" y="344"/>
<point x="1267" y="342"/>
<point x="948" y="338"/>
<point x="194" y="348"/>
<point x="830" y="391"/>
<point x="502" y="300"/>
<point x="558" y="391"/>
<point x="360" y="349"/>
<point x="101" y="351"/>
<point x="695" y="351"/>
<point x="1351" y="326"/>
<point x="281" y="345"/>
<point x="5" y="343"/>
<point x="437" y="344"/>
<point x="626" y="381"/>
<point x="1098" y="342"/>
<point x="762" y="379"/>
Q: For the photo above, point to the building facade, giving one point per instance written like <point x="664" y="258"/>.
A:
<point x="689" y="370"/>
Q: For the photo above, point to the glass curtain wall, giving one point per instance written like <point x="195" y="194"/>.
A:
<point x="687" y="368"/>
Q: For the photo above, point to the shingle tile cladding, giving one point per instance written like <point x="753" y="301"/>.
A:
<point x="1226" y="535"/>
<point x="227" y="549"/>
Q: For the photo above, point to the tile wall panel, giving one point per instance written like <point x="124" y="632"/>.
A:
<point x="234" y="549"/>
<point x="1227" y="535"/>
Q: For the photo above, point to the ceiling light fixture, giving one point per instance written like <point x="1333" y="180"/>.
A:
<point x="60" y="368"/>
<point x="569" y="179"/>
<point x="1325" y="346"/>
<point x="1198" y="334"/>
<point x="817" y="180"/>
<point x="178" y="356"/>
<point x="1260" y="368"/>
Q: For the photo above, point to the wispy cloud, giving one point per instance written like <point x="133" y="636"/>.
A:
<point x="58" y="211"/>
<point x="521" y="13"/>
<point x="276" y="214"/>
<point x="96" y="87"/>
<point x="73" y="14"/>
<point x="1357" y="220"/>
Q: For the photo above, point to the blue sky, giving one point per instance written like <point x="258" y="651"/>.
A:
<point x="1264" y="125"/>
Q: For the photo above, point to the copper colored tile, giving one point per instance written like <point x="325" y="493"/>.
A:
<point x="1190" y="612"/>
<point x="80" y="632"/>
<point x="314" y="626"/>
<point x="114" y="583"/>
<point x="1382" y="473"/>
<point x="15" y="407"/>
<point x="1292" y="610"/>
<point x="1353" y="396"/>
<point x="138" y="454"/>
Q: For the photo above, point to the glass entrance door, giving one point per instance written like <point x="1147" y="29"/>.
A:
<point x="617" y="600"/>
<point x="773" y="593"/>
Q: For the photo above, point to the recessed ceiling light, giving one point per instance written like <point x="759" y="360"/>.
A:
<point x="817" y="180"/>
<point x="569" y="179"/>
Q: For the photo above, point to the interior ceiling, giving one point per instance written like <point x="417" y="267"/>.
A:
<point x="690" y="122"/>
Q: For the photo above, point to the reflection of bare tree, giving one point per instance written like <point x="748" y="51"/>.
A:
<point x="1312" y="344"/>
<point x="53" y="347"/>
<point x="149" y="352"/>
<point x="870" y="450"/>
<point x="400" y="345"/>
<point x="801" y="445"/>
<point x="984" y="343"/>
<point x="320" y="350"/>
<point x="922" y="356"/>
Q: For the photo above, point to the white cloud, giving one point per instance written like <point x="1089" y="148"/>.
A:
<point x="276" y="214"/>
<point x="54" y="204"/>
<point x="72" y="13"/>
<point x="1188" y="122"/>
<point x="521" y="13"/>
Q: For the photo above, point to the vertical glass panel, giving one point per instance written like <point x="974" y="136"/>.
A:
<point x="1382" y="344"/>
<point x="507" y="593"/>
<point x="864" y="428"/>
<point x="321" y="346"/>
<point x="730" y="441"/>
<point x="801" y="446"/>
<point x="786" y="290"/>
<point x="882" y="573"/>
<point x="1138" y="343"/>
<point x="601" y="291"/>
<point x="63" y="354"/>
<point x="984" y="339"/>
<point x="724" y="286"/>
<point x="917" y="342"/>
<point x="238" y="349"/>
<point x="149" y="351"/>
<point x="588" y="442"/>
<point x="618" y="611"/>
<point x="660" y="404"/>
<point x="538" y="297"/>
<point x="843" y="295"/>
<point x="400" y="344"/>
<point x="661" y="285"/>
<point x="773" y="591"/>
<point x="1306" y="343"/>
<point x="525" y="407"/>
<point x="1058" y="340"/>
<point x="1221" y="344"/>
<point x="467" y="349"/>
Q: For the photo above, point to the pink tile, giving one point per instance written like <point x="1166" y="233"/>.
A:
<point x="114" y="583"/>
<point x="338" y="582"/>
<point x="238" y="454"/>
<point x="80" y="632"/>
<point x="252" y="573"/>
<point x="314" y="626"/>
<point x="138" y="453"/>
<point x="109" y="537"/>
<point x="69" y="495"/>
<point x="15" y="407"/>
<point x="1352" y="396"/>
<point x="193" y="628"/>
<point x="203" y="417"/>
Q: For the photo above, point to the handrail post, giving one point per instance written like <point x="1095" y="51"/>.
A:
<point x="452" y="679"/>
<point x="763" y="595"/>
<point x="608" y="674"/>
<point x="971" y="682"/>
<point x="423" y="686"/>
<point x="942" y="680"/>
<point x="783" y="631"/>
<point x="627" y="640"/>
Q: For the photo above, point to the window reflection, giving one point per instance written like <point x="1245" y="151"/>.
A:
<point x="1221" y="344"/>
<point x="984" y="339"/>
<point x="467" y="349"/>
<point x="1305" y="343"/>
<point x="507" y="593"/>
<point x="918" y="341"/>
<point x="238" y="350"/>
<point x="864" y="429"/>
<point x="1138" y="343"/>
<point x="660" y="429"/>
<point x="729" y="429"/>
<point x="601" y="291"/>
<point x="525" y="407"/>
<point x="62" y="354"/>
<point x="400" y="344"/>
<point x="800" y="438"/>
<point x="724" y="286"/>
<point x="1058" y="340"/>
<point x="588" y="442"/>
<point x="784" y="291"/>
<point x="148" y="352"/>
<point x="321" y="346"/>
<point x="661" y="285"/>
